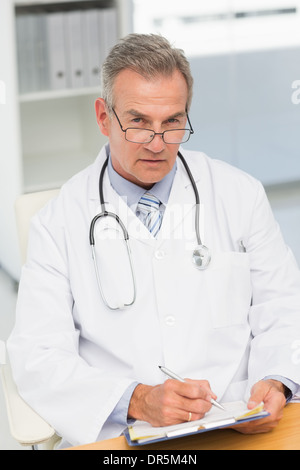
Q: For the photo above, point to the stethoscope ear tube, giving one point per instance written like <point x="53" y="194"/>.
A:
<point x="101" y="184"/>
<point x="201" y="255"/>
<point x="107" y="214"/>
<point x="102" y="214"/>
<point x="197" y="198"/>
<point x="126" y="239"/>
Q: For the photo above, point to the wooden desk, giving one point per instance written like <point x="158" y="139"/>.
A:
<point x="286" y="436"/>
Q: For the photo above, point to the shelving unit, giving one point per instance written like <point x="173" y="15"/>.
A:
<point x="46" y="136"/>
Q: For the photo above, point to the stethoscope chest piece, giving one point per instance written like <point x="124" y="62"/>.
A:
<point x="201" y="257"/>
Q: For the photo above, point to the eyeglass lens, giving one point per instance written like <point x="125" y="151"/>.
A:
<point x="174" y="136"/>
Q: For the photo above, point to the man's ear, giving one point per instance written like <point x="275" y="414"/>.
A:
<point x="102" y="116"/>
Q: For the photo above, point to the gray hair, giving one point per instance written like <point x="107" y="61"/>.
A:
<point x="150" y="55"/>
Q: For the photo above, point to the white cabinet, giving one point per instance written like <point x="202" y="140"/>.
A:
<point x="47" y="134"/>
<point x="244" y="57"/>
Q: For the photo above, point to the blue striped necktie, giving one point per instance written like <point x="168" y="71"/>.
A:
<point x="148" y="207"/>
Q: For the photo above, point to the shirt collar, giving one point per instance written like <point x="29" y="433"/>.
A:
<point x="132" y="192"/>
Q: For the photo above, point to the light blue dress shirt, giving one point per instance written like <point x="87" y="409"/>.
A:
<point x="132" y="193"/>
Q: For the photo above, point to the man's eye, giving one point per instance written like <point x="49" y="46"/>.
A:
<point x="174" y="123"/>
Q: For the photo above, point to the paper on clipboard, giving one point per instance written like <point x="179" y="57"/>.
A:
<point x="141" y="432"/>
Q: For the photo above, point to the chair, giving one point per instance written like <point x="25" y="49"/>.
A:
<point x="25" y="207"/>
<point x="26" y="426"/>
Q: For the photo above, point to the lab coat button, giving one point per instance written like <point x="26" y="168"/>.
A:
<point x="159" y="254"/>
<point x="170" y="320"/>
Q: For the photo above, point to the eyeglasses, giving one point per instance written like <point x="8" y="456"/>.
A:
<point x="145" y="136"/>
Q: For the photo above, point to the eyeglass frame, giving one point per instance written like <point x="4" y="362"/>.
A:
<point x="191" y="130"/>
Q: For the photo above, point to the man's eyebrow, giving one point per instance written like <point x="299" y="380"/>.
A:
<point x="179" y="114"/>
<point x="135" y="113"/>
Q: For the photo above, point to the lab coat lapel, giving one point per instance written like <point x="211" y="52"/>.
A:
<point x="115" y="204"/>
<point x="180" y="208"/>
<point x="136" y="229"/>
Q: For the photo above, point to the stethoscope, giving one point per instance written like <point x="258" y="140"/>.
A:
<point x="201" y="255"/>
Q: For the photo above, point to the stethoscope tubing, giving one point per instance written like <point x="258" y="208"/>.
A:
<point x="197" y="197"/>
<point x="198" y="252"/>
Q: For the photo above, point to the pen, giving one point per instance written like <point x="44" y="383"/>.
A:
<point x="176" y="377"/>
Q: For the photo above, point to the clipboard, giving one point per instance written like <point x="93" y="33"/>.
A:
<point x="141" y="433"/>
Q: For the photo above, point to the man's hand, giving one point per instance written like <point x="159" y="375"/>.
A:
<point x="171" y="402"/>
<point x="271" y="392"/>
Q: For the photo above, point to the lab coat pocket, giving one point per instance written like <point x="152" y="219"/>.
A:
<point x="229" y="289"/>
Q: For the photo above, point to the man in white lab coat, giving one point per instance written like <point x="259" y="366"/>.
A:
<point x="229" y="329"/>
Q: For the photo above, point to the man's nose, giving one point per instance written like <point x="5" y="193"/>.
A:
<point x="157" y="144"/>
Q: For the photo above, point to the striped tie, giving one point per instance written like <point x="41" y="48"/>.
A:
<point x="148" y="207"/>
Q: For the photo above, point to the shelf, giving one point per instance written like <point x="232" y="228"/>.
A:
<point x="58" y="94"/>
<point x="33" y="3"/>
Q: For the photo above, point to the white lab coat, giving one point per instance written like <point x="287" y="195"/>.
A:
<point x="232" y="324"/>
